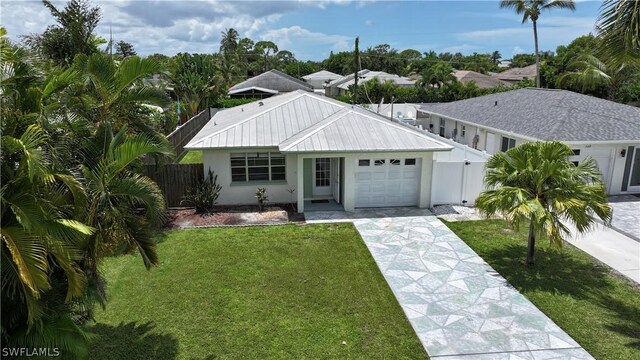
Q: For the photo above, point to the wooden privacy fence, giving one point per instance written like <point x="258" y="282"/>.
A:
<point x="182" y="135"/>
<point x="175" y="179"/>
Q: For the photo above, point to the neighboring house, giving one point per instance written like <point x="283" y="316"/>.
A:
<point x="267" y="84"/>
<point x="483" y="81"/>
<point x="321" y="78"/>
<point x="340" y="87"/>
<point x="305" y="147"/>
<point x="515" y="75"/>
<point x="607" y="131"/>
<point x="503" y="64"/>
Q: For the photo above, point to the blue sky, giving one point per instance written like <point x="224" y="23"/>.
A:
<point x="311" y="29"/>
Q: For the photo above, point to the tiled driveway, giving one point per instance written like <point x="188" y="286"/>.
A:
<point x="626" y="215"/>
<point x="459" y="307"/>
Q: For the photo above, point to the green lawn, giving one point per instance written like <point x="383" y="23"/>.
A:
<point x="288" y="292"/>
<point x="599" y="311"/>
<point x="192" y="157"/>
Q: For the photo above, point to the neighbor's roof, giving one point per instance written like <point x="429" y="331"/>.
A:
<point x="546" y="114"/>
<point x="307" y="122"/>
<point x="322" y="75"/>
<point x="238" y="90"/>
<point x="380" y="75"/>
<point x="483" y="81"/>
<point x="517" y="74"/>
<point x="273" y="80"/>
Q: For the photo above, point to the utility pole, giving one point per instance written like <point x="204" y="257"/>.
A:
<point x="356" y="63"/>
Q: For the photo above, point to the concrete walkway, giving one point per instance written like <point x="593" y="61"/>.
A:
<point x="459" y="307"/>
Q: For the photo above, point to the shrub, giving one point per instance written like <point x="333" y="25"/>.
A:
<point x="205" y="195"/>
<point x="261" y="194"/>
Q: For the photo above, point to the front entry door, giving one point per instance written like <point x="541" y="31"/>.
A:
<point x="322" y="177"/>
<point x="634" y="175"/>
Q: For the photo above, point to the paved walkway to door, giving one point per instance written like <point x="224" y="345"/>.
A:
<point x="459" y="307"/>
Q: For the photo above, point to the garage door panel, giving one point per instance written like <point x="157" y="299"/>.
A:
<point x="391" y="183"/>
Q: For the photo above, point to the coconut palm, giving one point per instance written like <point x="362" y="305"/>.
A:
<point x="495" y="57"/>
<point x="619" y="29"/>
<point x="229" y="41"/>
<point x="536" y="183"/>
<point x="588" y="74"/>
<point x="531" y="10"/>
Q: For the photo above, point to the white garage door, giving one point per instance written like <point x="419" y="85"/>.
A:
<point x="387" y="182"/>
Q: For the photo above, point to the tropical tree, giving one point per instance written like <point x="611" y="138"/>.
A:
<point x="536" y="183"/>
<point x="495" y="57"/>
<point x="437" y="75"/>
<point x="619" y="29"/>
<point x="125" y="49"/>
<point x="114" y="192"/>
<point x="197" y="82"/>
<point x="266" y="49"/>
<point x="531" y="10"/>
<point x="229" y="41"/>
<point x="72" y="35"/>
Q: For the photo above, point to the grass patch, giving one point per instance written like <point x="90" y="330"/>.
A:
<point x="261" y="292"/>
<point x="600" y="311"/>
<point x="192" y="157"/>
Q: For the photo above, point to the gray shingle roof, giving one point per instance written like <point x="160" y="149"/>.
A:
<point x="547" y="115"/>
<point x="306" y="122"/>
<point x="272" y="80"/>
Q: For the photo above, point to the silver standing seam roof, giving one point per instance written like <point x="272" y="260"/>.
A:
<point x="545" y="114"/>
<point x="300" y="121"/>
<point x="273" y="80"/>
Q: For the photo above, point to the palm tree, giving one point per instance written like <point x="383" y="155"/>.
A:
<point x="495" y="57"/>
<point x="619" y="29"/>
<point x="531" y="10"/>
<point x="437" y="75"/>
<point x="229" y="41"/>
<point x="114" y="192"/>
<point x="588" y="73"/>
<point x="536" y="182"/>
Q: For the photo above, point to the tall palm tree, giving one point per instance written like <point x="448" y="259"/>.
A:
<point x="229" y="41"/>
<point x="619" y="29"/>
<point x="495" y="57"/>
<point x="536" y="183"/>
<point x="588" y="73"/>
<point x="531" y="10"/>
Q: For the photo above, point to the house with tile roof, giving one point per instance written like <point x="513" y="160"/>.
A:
<point x="267" y="84"/>
<point x="481" y="80"/>
<point x="514" y="75"/>
<point x="309" y="149"/>
<point x="607" y="131"/>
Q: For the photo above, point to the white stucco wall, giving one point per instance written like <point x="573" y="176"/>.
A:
<point x="244" y="193"/>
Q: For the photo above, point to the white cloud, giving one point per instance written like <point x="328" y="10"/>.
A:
<point x="368" y="22"/>
<point x="517" y="50"/>
<point x="460" y="48"/>
<point x="300" y="41"/>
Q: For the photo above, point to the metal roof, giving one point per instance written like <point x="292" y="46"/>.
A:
<point x="306" y="122"/>
<point x="237" y="90"/>
<point x="273" y="80"/>
<point x="380" y="75"/>
<point x="546" y="114"/>
<point x="322" y="75"/>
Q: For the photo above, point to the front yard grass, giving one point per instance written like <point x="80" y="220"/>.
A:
<point x="600" y="311"/>
<point x="287" y="292"/>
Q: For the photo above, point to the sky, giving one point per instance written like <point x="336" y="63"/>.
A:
<point x="312" y="29"/>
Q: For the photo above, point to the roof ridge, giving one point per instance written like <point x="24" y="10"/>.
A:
<point x="249" y="118"/>
<point x="304" y="134"/>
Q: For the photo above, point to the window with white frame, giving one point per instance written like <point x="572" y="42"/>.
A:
<point x="464" y="131"/>
<point x="507" y="143"/>
<point x="442" y="128"/>
<point x="259" y="166"/>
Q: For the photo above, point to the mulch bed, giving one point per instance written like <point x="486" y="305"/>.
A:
<point x="182" y="218"/>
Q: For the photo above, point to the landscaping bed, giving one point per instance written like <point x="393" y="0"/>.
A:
<point x="183" y="218"/>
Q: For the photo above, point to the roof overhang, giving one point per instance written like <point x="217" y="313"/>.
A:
<point x="269" y="91"/>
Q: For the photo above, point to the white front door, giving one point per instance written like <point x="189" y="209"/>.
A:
<point x="634" y="175"/>
<point x="387" y="182"/>
<point x="322" y="177"/>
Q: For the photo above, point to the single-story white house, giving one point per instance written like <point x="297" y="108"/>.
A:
<point x="307" y="149"/>
<point x="607" y="131"/>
